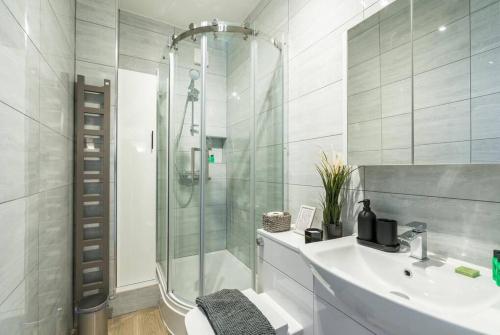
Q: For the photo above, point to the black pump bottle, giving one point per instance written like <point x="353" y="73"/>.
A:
<point x="367" y="221"/>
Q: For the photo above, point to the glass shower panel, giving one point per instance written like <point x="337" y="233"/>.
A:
<point x="269" y="191"/>
<point x="162" y="168"/>
<point x="185" y="170"/>
<point x="229" y="208"/>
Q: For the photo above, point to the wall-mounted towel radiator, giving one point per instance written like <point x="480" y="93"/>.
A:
<point x="91" y="193"/>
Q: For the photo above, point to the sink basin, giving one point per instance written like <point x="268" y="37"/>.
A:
<point x="392" y="293"/>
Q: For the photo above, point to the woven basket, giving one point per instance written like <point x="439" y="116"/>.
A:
<point x="276" y="223"/>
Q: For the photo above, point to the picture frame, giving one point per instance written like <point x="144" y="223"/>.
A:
<point x="304" y="219"/>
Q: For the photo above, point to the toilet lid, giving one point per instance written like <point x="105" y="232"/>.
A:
<point x="198" y="324"/>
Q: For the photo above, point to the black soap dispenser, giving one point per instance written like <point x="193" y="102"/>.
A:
<point x="367" y="221"/>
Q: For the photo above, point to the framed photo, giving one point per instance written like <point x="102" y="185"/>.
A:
<point x="304" y="219"/>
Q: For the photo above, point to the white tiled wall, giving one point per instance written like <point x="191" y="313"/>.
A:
<point x="36" y="169"/>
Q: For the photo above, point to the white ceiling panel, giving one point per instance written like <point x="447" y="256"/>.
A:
<point x="182" y="12"/>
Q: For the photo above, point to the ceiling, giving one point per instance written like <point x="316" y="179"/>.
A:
<point x="182" y="12"/>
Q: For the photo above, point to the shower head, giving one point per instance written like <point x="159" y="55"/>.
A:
<point x="194" y="74"/>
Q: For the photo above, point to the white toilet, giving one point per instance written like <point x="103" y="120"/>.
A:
<point x="281" y="321"/>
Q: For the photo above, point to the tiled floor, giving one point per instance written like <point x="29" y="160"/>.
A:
<point x="143" y="322"/>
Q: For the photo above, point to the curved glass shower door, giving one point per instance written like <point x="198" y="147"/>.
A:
<point x="225" y="160"/>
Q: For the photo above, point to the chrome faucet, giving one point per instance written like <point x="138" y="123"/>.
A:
<point x="416" y="238"/>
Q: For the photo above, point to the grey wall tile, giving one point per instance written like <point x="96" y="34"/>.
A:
<point x="445" y="123"/>
<point x="397" y="98"/>
<point x="396" y="132"/>
<point x="97" y="11"/>
<point x="478" y="4"/>
<point x="65" y="13"/>
<point x="89" y="48"/>
<point x="394" y="7"/>
<point x="19" y="65"/>
<point x="50" y="41"/>
<point x="485" y="29"/>
<point x="269" y="164"/>
<point x="363" y="26"/>
<point x="269" y="128"/>
<point x="363" y="77"/>
<point x="448" y="181"/>
<point x="397" y="156"/>
<point x="303" y="155"/>
<point x="55" y="166"/>
<point x="56" y="106"/>
<point x="239" y="136"/>
<point x="304" y="113"/>
<point x="57" y="50"/>
<point x="373" y="157"/>
<point x="485" y="118"/>
<point x="439" y="48"/>
<point x="364" y="106"/>
<point x="443" y="85"/>
<point x="364" y="136"/>
<point x="27" y="14"/>
<point x="395" y="30"/>
<point x="141" y="43"/>
<point x="139" y="65"/>
<point x="55" y="269"/>
<point x="396" y="64"/>
<point x="238" y="164"/>
<point x="486" y="151"/>
<point x="19" y="242"/>
<point x="364" y="46"/>
<point x="19" y="312"/>
<point x="19" y="169"/>
<point x="146" y="23"/>
<point x="483" y="66"/>
<point x="269" y="198"/>
<point x="442" y="153"/>
<point x="240" y="193"/>
<point x="456" y="219"/>
<point x="429" y="14"/>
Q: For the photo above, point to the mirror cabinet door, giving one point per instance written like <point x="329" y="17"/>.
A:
<point x="379" y="101"/>
<point x="427" y="93"/>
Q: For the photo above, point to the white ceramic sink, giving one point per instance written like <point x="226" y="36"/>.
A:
<point x="392" y="293"/>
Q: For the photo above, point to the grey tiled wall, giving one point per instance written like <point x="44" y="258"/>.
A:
<point x="143" y="43"/>
<point x="36" y="127"/>
<point x="459" y="202"/>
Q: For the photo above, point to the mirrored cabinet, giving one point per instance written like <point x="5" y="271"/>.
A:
<point x="423" y="84"/>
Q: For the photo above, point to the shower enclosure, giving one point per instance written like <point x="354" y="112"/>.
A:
<point x="220" y="157"/>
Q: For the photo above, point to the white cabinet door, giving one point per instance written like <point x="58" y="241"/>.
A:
<point x="136" y="179"/>
<point x="330" y="321"/>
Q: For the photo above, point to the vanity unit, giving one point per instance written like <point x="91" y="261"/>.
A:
<point x="284" y="275"/>
<point x="341" y="287"/>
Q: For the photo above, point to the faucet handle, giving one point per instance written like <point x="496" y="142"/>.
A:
<point x="417" y="227"/>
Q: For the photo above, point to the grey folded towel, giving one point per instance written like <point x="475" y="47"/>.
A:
<point x="231" y="313"/>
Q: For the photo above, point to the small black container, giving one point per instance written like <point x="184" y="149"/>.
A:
<point x="366" y="222"/>
<point x="387" y="232"/>
<point x="313" y="235"/>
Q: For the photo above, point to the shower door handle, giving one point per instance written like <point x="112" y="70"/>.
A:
<point x="152" y="140"/>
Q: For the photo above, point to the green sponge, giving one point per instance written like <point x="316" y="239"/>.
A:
<point x="467" y="272"/>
